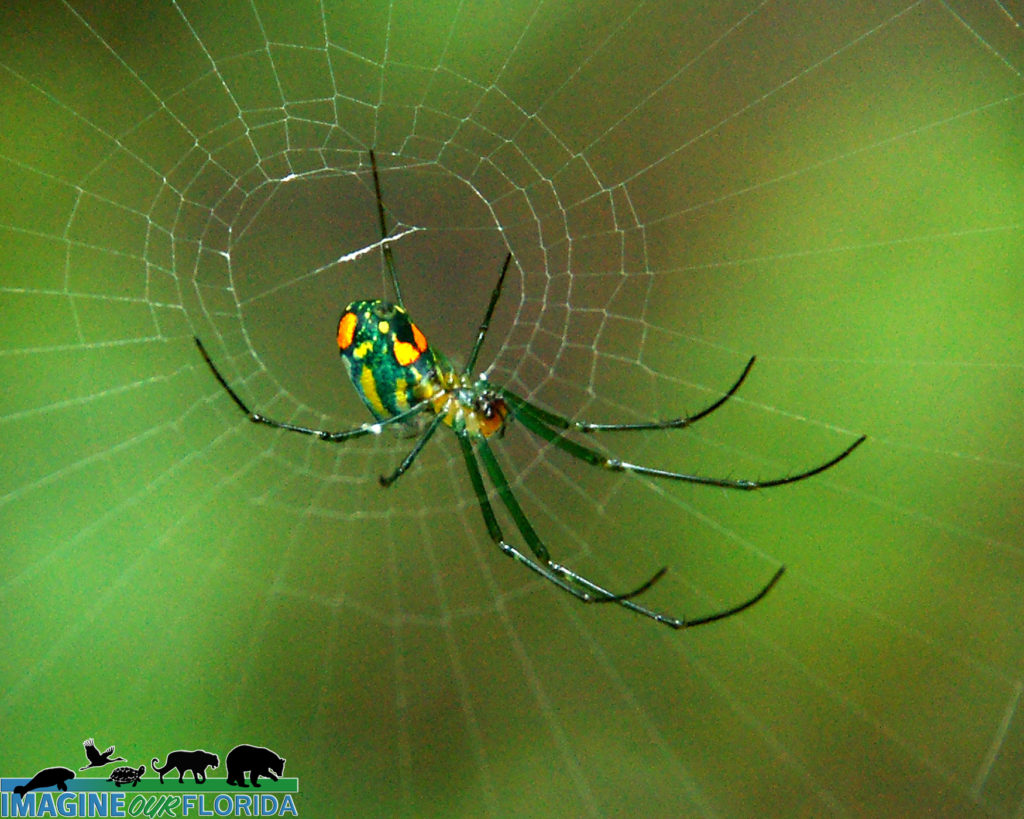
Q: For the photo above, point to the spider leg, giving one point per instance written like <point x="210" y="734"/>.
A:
<point x="325" y="435"/>
<point x="389" y="259"/>
<point x="561" y="422"/>
<point x="387" y="480"/>
<point x="675" y="423"/>
<point x="486" y="323"/>
<point x="721" y="615"/>
<point x="685" y="623"/>
<point x="550" y="571"/>
<point x="567" y="580"/>
<point x="535" y="420"/>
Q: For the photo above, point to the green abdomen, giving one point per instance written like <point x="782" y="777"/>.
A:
<point x="387" y="357"/>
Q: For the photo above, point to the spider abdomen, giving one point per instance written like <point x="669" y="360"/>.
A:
<point x="387" y="357"/>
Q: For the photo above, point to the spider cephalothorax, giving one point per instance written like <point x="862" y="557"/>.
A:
<point x="398" y="376"/>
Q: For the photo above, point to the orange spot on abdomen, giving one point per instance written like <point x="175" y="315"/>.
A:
<point x="419" y="338"/>
<point x="346" y="329"/>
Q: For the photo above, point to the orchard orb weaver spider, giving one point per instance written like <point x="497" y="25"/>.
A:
<point x="398" y="376"/>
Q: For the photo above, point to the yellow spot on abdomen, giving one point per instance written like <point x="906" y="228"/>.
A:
<point x="369" y="387"/>
<point x="405" y="353"/>
<point x="401" y="394"/>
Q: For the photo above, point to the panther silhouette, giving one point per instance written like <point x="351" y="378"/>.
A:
<point x="195" y="761"/>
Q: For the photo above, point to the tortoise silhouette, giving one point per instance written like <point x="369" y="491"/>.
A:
<point x="47" y="778"/>
<point x="124" y="775"/>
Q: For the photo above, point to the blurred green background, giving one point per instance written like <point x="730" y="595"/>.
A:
<point x="835" y="187"/>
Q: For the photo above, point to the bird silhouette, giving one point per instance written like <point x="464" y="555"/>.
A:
<point x="96" y="759"/>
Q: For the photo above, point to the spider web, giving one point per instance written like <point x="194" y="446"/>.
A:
<point x="834" y="187"/>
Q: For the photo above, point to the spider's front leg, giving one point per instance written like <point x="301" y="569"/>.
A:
<point x="675" y="423"/>
<point x="539" y="422"/>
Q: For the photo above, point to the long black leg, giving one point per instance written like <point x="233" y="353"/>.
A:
<point x="486" y="323"/>
<point x="491" y="521"/>
<point x="497" y="476"/>
<point x="676" y="423"/>
<point x="534" y="420"/>
<point x="389" y="259"/>
<point x="561" y="422"/>
<point x="387" y="480"/>
<point x="721" y="615"/>
<point x="558" y="575"/>
<point x="569" y="581"/>
<point x="325" y="435"/>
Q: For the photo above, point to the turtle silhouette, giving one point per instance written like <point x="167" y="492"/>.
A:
<point x="47" y="778"/>
<point x="126" y="774"/>
<point x="96" y="759"/>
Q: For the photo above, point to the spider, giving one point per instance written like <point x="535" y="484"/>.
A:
<point x="398" y="376"/>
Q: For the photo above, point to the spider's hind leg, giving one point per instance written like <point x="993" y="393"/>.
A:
<point x="322" y="434"/>
<point x="565" y="579"/>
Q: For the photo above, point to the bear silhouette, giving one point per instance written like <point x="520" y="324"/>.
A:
<point x="195" y="761"/>
<point x="257" y="761"/>
<point x="47" y="778"/>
